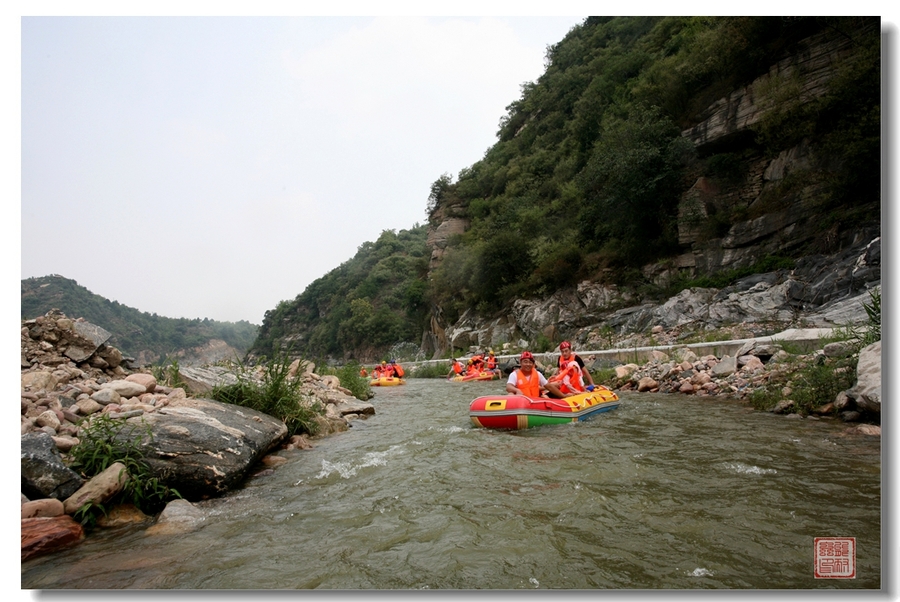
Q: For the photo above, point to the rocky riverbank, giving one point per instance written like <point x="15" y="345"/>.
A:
<point x="201" y="447"/>
<point x="765" y="367"/>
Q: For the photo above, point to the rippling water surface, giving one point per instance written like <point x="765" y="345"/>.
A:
<point x="665" y="492"/>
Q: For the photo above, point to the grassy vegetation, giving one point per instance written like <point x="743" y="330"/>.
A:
<point x="712" y="336"/>
<point x="873" y="311"/>
<point x="606" y="377"/>
<point x="168" y="373"/>
<point x="818" y="385"/>
<point x="103" y="441"/>
<point x="351" y="380"/>
<point x="276" y="394"/>
<point x="813" y="385"/>
<point x="542" y="344"/>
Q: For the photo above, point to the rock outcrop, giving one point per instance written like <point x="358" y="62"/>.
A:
<point x="43" y="473"/>
<point x="447" y="219"/>
<point x="813" y="63"/>
<point x="821" y="291"/>
<point x="867" y="393"/>
<point x="202" y="447"/>
<point x="41" y="535"/>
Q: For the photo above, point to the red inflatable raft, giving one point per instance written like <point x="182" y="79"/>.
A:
<point x="520" y="412"/>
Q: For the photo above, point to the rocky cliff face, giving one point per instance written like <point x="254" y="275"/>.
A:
<point x="779" y="221"/>
<point x="821" y="291"/>
<point x="811" y="66"/>
<point x="446" y="221"/>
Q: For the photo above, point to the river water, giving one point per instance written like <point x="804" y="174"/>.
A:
<point x="665" y="492"/>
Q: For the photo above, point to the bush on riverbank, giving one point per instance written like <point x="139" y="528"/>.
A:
<point x="350" y="379"/>
<point x="168" y="373"/>
<point x="811" y="388"/>
<point x="817" y="385"/>
<point x="103" y="441"/>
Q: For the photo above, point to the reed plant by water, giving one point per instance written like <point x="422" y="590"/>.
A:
<point x="276" y="393"/>
<point x="350" y="379"/>
<point x="168" y="373"/>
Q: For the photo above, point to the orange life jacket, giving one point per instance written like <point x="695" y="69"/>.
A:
<point x="363" y="372"/>
<point x="560" y="361"/>
<point x="491" y="362"/>
<point x="569" y="378"/>
<point x="457" y="367"/>
<point x="528" y="386"/>
<point x="398" y="371"/>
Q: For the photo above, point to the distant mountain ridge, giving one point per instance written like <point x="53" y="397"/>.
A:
<point x="147" y="337"/>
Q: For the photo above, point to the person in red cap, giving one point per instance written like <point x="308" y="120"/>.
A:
<point x="566" y="355"/>
<point x="569" y="379"/>
<point x="525" y="380"/>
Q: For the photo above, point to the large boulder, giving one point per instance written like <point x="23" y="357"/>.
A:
<point x="43" y="473"/>
<point x="125" y="388"/>
<point x="867" y="391"/>
<point x="87" y="338"/>
<point x="100" y="489"/>
<point x="203" y="448"/>
<point x="202" y="380"/>
<point x="42" y="535"/>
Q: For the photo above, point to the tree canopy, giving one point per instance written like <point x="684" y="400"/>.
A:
<point x="373" y="300"/>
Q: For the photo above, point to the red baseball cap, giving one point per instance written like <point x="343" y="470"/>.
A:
<point x="565" y="345"/>
<point x="526" y="355"/>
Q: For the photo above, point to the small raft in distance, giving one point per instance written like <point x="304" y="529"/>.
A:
<point x="387" y="381"/>
<point x="477" y="376"/>
<point x="521" y="412"/>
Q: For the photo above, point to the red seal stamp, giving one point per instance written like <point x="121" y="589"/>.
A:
<point x="835" y="558"/>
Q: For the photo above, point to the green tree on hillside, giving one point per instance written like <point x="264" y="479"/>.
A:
<point x="631" y="186"/>
<point x="363" y="306"/>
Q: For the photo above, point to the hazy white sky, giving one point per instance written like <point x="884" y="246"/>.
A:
<point x="214" y="166"/>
